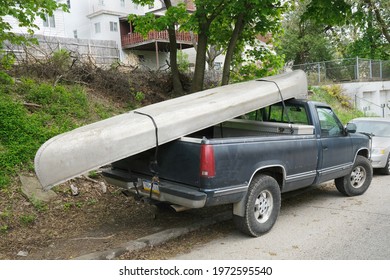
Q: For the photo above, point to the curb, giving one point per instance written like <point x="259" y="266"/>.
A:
<point x="154" y="239"/>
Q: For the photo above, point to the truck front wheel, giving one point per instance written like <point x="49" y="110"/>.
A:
<point x="262" y="206"/>
<point x="358" y="181"/>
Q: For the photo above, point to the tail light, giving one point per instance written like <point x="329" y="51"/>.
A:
<point x="207" y="162"/>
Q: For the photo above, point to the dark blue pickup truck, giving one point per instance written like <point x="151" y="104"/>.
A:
<point x="249" y="161"/>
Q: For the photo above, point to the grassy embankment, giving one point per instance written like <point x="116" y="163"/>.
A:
<point x="32" y="112"/>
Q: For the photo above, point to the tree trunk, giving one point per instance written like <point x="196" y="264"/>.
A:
<point x="238" y="28"/>
<point x="212" y="54"/>
<point x="198" y="79"/>
<point x="177" y="86"/>
<point x="384" y="28"/>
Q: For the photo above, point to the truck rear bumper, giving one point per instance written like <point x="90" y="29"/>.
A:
<point x="165" y="192"/>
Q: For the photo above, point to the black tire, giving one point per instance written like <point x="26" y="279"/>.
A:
<point x="358" y="181"/>
<point x="386" y="170"/>
<point x="262" y="206"/>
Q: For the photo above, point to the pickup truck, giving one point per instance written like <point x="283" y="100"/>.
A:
<point x="249" y="161"/>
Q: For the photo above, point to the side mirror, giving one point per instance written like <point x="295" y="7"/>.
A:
<point x="351" y="128"/>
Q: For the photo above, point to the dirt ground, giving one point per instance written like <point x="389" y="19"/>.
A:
<point x="94" y="220"/>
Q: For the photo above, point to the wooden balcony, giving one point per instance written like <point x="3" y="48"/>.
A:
<point x="136" y="41"/>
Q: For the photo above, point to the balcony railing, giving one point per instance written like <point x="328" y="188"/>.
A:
<point x="136" y="39"/>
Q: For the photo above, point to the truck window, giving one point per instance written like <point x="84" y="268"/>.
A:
<point x="329" y="123"/>
<point x="275" y="113"/>
<point x="296" y="114"/>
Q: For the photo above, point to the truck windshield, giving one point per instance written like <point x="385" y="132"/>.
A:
<point x="378" y="128"/>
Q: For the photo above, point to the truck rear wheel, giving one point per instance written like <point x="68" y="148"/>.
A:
<point x="262" y="206"/>
<point x="358" y="181"/>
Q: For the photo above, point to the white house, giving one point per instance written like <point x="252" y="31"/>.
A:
<point x="107" y="20"/>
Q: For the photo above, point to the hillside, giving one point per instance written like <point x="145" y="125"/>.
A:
<point x="34" y="108"/>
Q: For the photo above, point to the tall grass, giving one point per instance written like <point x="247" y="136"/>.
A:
<point x="23" y="129"/>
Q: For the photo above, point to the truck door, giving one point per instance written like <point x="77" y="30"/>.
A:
<point x="335" y="154"/>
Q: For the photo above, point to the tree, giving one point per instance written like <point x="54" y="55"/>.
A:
<point x="247" y="19"/>
<point x="370" y="21"/>
<point x="220" y="26"/>
<point x="303" y="40"/>
<point x="149" y="22"/>
<point x="206" y="12"/>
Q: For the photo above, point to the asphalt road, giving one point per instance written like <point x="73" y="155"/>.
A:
<point x="318" y="224"/>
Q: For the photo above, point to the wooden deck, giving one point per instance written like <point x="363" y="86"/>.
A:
<point x="136" y="40"/>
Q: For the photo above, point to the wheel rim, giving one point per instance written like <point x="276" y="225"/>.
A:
<point x="263" y="206"/>
<point x="358" y="177"/>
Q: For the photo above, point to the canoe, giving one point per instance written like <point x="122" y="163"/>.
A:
<point x="89" y="147"/>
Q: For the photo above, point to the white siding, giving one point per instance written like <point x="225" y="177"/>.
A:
<point x="58" y="30"/>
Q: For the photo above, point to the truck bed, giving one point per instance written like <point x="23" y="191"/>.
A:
<point x="233" y="141"/>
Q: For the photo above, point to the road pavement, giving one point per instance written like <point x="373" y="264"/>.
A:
<point x="318" y="224"/>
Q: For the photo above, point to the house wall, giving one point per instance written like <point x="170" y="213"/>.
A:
<point x="57" y="30"/>
<point x="76" y="20"/>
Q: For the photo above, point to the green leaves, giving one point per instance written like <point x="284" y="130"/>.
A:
<point x="149" y="22"/>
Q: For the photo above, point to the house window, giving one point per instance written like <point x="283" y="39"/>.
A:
<point x="113" y="26"/>
<point x="75" y="34"/>
<point x="68" y="3"/>
<point x="49" y="21"/>
<point x="122" y="3"/>
<point x="97" y="27"/>
<point x="101" y="2"/>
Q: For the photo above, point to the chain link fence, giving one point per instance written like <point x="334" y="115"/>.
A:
<point x="345" y="70"/>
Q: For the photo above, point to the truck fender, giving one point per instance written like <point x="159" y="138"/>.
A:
<point x="239" y="207"/>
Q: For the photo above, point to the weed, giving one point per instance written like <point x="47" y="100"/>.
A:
<point x="39" y="205"/>
<point x="4" y="228"/>
<point x="27" y="219"/>
<point x="5" y="215"/>
<point x="93" y="174"/>
<point x="67" y="205"/>
<point x="91" y="202"/>
<point x="139" y="96"/>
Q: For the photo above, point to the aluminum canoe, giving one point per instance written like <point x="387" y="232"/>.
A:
<point x="89" y="147"/>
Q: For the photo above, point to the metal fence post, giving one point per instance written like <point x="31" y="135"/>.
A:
<point x="357" y="69"/>
<point x="370" y="69"/>
<point x="319" y="73"/>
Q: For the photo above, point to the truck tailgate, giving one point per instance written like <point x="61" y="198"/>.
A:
<point x="178" y="161"/>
